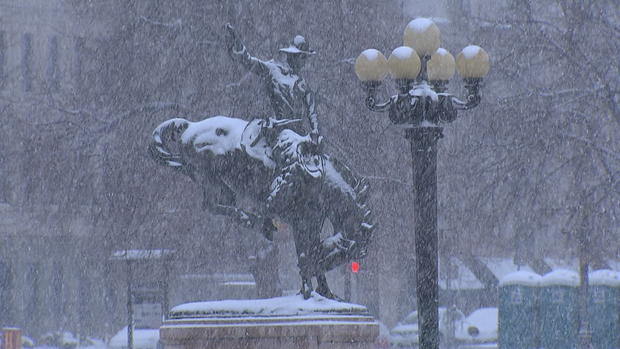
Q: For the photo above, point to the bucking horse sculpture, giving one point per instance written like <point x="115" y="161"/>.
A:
<point x="231" y="159"/>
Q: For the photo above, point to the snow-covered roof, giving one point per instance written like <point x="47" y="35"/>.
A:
<point x="465" y="280"/>
<point x="240" y="283"/>
<point x="279" y="306"/>
<point x="141" y="254"/>
<point x="573" y="263"/>
<point x="522" y="278"/>
<point x="560" y="277"/>
<point x="501" y="267"/>
<point x="219" y="277"/>
<point x="562" y="263"/>
<point x="605" y="277"/>
<point x="614" y="264"/>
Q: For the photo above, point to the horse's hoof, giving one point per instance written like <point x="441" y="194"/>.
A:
<point x="305" y="293"/>
<point x="327" y="293"/>
<point x="306" y="289"/>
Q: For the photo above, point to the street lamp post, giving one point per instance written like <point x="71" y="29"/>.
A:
<point x="421" y="70"/>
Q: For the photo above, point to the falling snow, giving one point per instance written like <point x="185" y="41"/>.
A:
<point x="528" y="182"/>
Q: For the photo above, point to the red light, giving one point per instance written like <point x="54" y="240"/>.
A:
<point x="355" y="267"/>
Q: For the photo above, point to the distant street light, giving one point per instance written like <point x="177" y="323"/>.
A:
<point x="130" y="257"/>
<point x="421" y="70"/>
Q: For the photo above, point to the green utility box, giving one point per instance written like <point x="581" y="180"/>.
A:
<point x="604" y="309"/>
<point x="518" y="310"/>
<point x="559" y="309"/>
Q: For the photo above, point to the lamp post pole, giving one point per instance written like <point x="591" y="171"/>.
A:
<point x="585" y="334"/>
<point x="422" y="70"/>
<point x="130" y="328"/>
<point x="423" y="142"/>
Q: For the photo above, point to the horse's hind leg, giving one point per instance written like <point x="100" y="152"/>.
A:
<point x="323" y="289"/>
<point x="307" y="243"/>
<point x="306" y="287"/>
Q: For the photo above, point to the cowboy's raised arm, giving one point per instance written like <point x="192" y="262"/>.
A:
<point x="239" y="53"/>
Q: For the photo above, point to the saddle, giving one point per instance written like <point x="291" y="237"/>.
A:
<point x="269" y="141"/>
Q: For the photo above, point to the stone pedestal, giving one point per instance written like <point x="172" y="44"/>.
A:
<point x="284" y="322"/>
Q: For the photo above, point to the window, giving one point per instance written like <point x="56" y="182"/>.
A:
<point x="27" y="62"/>
<point x="53" y="70"/>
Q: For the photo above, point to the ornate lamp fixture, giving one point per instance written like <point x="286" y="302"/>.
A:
<point x="421" y="70"/>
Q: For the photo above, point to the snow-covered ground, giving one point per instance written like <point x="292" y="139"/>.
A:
<point x="142" y="339"/>
<point x="478" y="330"/>
<point x="62" y="340"/>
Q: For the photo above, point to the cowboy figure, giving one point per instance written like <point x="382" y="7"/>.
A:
<point x="291" y="99"/>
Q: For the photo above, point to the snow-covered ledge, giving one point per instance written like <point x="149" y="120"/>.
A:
<point x="282" y="322"/>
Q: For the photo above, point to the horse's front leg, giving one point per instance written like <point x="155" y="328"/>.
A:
<point x="304" y="273"/>
<point x="220" y="199"/>
<point x="306" y="230"/>
<point x="334" y="251"/>
<point x="247" y="219"/>
<point x="310" y="265"/>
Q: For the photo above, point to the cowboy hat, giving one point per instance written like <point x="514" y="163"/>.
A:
<point x="300" y="45"/>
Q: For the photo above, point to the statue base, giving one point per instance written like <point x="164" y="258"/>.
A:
<point x="282" y="322"/>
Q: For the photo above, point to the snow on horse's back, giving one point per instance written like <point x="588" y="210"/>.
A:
<point x="217" y="134"/>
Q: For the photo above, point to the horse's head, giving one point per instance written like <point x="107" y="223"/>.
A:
<point x="175" y="140"/>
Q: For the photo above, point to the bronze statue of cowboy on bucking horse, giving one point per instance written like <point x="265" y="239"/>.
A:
<point x="273" y="162"/>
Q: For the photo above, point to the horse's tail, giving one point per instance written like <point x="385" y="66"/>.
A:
<point x="165" y="147"/>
